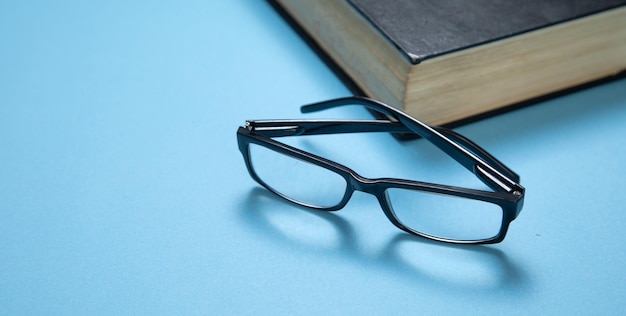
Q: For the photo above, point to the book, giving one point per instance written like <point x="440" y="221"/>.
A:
<point x="451" y="60"/>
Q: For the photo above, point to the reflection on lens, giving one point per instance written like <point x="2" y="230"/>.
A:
<point x="445" y="216"/>
<point x="297" y="180"/>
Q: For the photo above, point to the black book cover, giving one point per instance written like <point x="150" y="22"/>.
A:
<point x="426" y="29"/>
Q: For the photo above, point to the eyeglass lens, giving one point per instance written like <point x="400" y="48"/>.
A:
<point x="297" y="180"/>
<point x="445" y="216"/>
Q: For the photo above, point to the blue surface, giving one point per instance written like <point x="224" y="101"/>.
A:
<point x="122" y="190"/>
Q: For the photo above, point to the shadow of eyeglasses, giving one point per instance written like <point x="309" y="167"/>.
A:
<point x="461" y="267"/>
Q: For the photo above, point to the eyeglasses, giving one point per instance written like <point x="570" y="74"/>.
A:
<point x="434" y="211"/>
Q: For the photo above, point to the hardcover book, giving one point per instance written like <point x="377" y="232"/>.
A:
<point x="450" y="60"/>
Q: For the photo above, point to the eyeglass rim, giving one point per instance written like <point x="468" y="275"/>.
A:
<point x="508" y="202"/>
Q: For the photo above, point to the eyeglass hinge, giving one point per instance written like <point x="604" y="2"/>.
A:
<point x="274" y="131"/>
<point x="503" y="183"/>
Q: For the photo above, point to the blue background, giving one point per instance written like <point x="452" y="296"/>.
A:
<point x="122" y="190"/>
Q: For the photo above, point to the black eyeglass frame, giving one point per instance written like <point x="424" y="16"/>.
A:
<point x="508" y="193"/>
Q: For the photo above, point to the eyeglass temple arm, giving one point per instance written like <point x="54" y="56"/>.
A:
<point x="494" y="178"/>
<point x="281" y="128"/>
<point x="479" y="151"/>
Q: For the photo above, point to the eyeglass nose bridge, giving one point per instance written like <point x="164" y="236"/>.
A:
<point x="362" y="184"/>
<point x="376" y="188"/>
